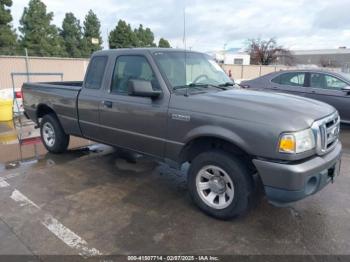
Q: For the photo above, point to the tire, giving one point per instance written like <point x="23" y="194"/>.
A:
<point x="228" y="178"/>
<point x="52" y="134"/>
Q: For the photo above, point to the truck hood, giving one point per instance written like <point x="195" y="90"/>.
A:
<point x="289" y="111"/>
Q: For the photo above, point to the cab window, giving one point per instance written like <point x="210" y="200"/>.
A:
<point x="95" y="73"/>
<point x="131" y="67"/>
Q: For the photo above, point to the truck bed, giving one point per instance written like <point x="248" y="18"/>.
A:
<point x="75" y="85"/>
<point x="61" y="97"/>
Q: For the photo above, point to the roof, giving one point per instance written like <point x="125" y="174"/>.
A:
<point x="321" y="71"/>
<point x="143" y="50"/>
<point x="321" y="51"/>
<point x="228" y="51"/>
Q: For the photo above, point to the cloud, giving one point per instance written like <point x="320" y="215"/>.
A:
<point x="333" y="15"/>
<point x="300" y="24"/>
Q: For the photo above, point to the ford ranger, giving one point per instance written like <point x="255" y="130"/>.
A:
<point x="179" y="106"/>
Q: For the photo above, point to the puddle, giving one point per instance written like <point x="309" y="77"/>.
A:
<point x="30" y="151"/>
<point x="50" y="160"/>
<point x="19" y="128"/>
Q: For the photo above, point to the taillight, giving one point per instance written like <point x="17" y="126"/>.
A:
<point x="18" y="94"/>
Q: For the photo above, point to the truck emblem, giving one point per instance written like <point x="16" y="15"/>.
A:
<point x="180" y="117"/>
<point x="335" y="131"/>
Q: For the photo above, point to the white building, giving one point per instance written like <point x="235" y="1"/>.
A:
<point x="233" y="56"/>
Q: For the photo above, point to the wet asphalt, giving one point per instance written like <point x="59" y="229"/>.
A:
<point x="92" y="200"/>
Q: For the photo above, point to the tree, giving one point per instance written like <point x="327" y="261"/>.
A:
<point x="92" y="31"/>
<point x="72" y="35"/>
<point x="266" y="52"/>
<point x="163" y="43"/>
<point x="8" y="38"/>
<point x="145" y="37"/>
<point x="122" y="36"/>
<point x="39" y="36"/>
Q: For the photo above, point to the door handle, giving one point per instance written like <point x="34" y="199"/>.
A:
<point x="107" y="104"/>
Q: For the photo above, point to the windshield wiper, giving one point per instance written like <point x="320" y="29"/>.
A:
<point x="216" y="86"/>
<point x="227" y="84"/>
<point x="198" y="85"/>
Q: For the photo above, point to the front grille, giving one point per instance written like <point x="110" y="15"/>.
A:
<point x="326" y="132"/>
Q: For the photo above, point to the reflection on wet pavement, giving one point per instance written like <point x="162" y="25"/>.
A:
<point x="48" y="159"/>
<point x="8" y="134"/>
<point x="30" y="150"/>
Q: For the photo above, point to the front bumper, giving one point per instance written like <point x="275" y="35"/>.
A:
<point x="286" y="183"/>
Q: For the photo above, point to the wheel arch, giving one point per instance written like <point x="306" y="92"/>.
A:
<point x="206" y="142"/>
<point x="44" y="109"/>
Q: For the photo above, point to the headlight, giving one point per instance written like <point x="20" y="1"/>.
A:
<point x="297" y="142"/>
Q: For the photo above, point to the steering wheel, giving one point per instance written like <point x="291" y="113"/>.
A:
<point x="196" y="80"/>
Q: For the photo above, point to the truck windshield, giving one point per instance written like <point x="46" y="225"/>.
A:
<point x="191" y="70"/>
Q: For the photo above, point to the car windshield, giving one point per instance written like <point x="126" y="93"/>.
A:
<point x="346" y="76"/>
<point x="191" y="70"/>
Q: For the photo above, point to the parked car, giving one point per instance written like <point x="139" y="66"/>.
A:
<point x="179" y="106"/>
<point x="332" y="88"/>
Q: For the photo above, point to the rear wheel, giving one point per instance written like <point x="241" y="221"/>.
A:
<point x="53" y="136"/>
<point x="220" y="184"/>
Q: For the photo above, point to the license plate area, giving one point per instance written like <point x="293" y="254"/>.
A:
<point x="334" y="171"/>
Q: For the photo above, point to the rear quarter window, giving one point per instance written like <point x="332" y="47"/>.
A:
<point x="290" y="79"/>
<point x="277" y="79"/>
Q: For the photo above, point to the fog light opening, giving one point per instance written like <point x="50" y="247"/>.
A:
<point x="311" y="185"/>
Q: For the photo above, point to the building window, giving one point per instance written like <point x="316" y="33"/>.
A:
<point x="238" y="61"/>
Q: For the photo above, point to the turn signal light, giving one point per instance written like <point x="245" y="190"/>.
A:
<point x="287" y="144"/>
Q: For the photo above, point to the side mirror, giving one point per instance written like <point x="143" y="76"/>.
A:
<point x="142" y="88"/>
<point x="346" y="89"/>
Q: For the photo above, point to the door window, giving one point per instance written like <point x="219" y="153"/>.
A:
<point x="290" y="79"/>
<point x="317" y="80"/>
<point x="326" y="82"/>
<point x="131" y="67"/>
<point x="95" y="73"/>
<point x="334" y="83"/>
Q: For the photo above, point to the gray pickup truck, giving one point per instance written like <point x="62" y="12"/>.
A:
<point x="179" y="106"/>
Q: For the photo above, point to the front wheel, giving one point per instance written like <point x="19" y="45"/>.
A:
<point x="52" y="134"/>
<point x="220" y="184"/>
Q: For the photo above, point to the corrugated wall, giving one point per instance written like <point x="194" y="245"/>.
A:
<point x="72" y="69"/>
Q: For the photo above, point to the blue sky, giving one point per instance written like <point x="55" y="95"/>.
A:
<point x="211" y="24"/>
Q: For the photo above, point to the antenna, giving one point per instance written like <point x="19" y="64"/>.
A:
<point x="184" y="42"/>
<point x="184" y="33"/>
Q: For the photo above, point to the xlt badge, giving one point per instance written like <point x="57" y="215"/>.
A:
<point x="180" y="117"/>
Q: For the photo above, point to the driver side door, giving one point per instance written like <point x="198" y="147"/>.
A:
<point x="133" y="122"/>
